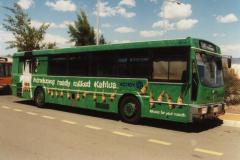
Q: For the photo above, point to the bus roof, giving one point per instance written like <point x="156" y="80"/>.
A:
<point x="188" y="42"/>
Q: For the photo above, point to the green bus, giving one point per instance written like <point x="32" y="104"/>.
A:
<point x="177" y="80"/>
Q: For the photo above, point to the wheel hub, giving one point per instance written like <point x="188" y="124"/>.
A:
<point x="129" y="109"/>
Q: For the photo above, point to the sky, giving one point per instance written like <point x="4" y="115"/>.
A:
<point x="123" y="21"/>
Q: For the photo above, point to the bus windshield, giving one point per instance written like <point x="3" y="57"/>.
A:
<point x="210" y="70"/>
<point x="5" y="69"/>
<point x="1" y="70"/>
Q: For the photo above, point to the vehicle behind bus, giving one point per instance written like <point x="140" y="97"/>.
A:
<point x="176" y="80"/>
<point x="5" y="74"/>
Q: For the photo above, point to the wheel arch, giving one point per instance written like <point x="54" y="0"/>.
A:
<point x="36" y="88"/>
<point x="138" y="97"/>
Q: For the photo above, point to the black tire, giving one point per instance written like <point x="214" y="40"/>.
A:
<point x="130" y="109"/>
<point x="39" y="97"/>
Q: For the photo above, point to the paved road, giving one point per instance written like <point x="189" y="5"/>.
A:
<point x="62" y="133"/>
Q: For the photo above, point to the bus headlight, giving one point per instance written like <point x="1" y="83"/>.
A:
<point x="202" y="110"/>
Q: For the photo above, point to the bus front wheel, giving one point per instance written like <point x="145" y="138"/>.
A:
<point x="130" y="109"/>
<point x="39" y="97"/>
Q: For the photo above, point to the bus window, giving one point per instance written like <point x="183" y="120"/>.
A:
<point x="170" y="66"/>
<point x="8" y="68"/>
<point x="102" y="65"/>
<point x="209" y="70"/>
<point x="1" y="70"/>
<point x="139" y="65"/>
<point x="160" y="70"/>
<point x="78" y="65"/>
<point x="178" y="70"/>
<point x="58" y="65"/>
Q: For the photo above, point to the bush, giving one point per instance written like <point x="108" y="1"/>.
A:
<point x="232" y="87"/>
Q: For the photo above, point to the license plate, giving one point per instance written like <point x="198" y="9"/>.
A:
<point x="215" y="109"/>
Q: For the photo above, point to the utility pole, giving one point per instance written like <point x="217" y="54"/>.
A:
<point x="98" y="20"/>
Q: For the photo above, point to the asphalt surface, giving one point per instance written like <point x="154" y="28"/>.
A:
<point x="64" y="133"/>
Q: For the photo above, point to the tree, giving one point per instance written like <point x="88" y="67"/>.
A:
<point x="26" y="37"/>
<point x="82" y="33"/>
<point x="102" y="40"/>
<point x="232" y="86"/>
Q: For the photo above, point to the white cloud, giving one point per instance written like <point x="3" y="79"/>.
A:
<point x="121" y="41"/>
<point x="53" y="25"/>
<point x="219" y="34"/>
<point x="173" y="10"/>
<point x="61" y="41"/>
<point x="186" y="24"/>
<point x="25" y="4"/>
<point x="106" y="25"/>
<point x="231" y="49"/>
<point x="6" y="36"/>
<point x="124" y="30"/>
<point x="130" y="3"/>
<point x="123" y="12"/>
<point x="37" y="24"/>
<point x="164" y="25"/>
<point x="62" y="5"/>
<point x="154" y="1"/>
<point x="230" y="18"/>
<point x="151" y="34"/>
<point x="107" y="11"/>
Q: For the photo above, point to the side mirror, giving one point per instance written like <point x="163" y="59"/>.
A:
<point x="229" y="62"/>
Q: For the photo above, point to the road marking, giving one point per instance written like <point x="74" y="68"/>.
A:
<point x="160" y="142"/>
<point x="234" y="114"/>
<point x="5" y="107"/>
<point x="32" y="113"/>
<point x="93" y="127"/>
<point x="48" y="117"/>
<point x="208" y="152"/>
<point x="122" y="134"/>
<point x="17" y="110"/>
<point x="69" y="122"/>
<point x="231" y="123"/>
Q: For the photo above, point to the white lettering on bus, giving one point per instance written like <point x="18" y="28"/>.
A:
<point x="183" y="115"/>
<point x="86" y="84"/>
<point x="64" y="83"/>
<point x="44" y="81"/>
<point x="105" y="84"/>
<point x="179" y="114"/>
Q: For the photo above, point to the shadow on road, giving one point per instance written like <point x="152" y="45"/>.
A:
<point x="189" y="128"/>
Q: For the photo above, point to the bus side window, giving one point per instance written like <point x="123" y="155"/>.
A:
<point x="160" y="70"/>
<point x="8" y="67"/>
<point x="1" y="70"/>
<point x="170" y="66"/>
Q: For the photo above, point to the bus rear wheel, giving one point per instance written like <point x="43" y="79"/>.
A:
<point x="39" y="97"/>
<point x="130" y="109"/>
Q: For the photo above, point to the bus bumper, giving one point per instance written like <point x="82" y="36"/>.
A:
<point x="210" y="111"/>
<point x="5" y="89"/>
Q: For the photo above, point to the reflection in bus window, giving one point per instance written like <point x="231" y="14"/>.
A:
<point x="170" y="67"/>
<point x="209" y="70"/>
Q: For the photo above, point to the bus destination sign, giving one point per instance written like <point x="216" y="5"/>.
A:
<point x="207" y="46"/>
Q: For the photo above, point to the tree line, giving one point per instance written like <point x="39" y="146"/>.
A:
<point x="27" y="37"/>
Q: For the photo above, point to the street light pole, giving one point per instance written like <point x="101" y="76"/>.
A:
<point x="98" y="10"/>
